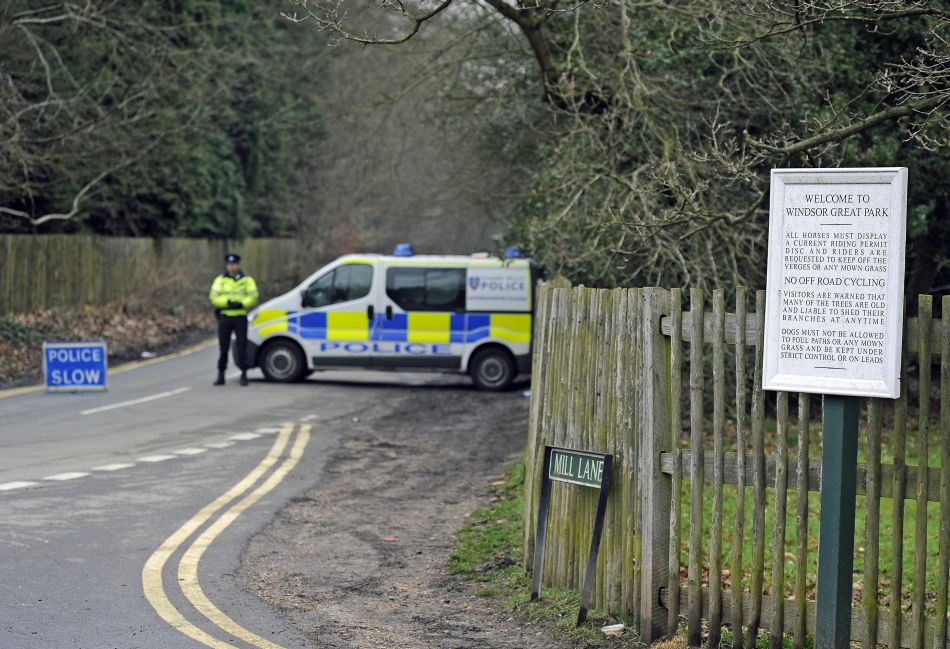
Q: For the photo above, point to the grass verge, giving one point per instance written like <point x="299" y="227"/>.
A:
<point x="489" y="555"/>
<point x="888" y="558"/>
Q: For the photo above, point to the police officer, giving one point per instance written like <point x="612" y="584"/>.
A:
<point x="232" y="295"/>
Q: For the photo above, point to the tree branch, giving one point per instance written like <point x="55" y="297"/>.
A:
<point x="334" y="26"/>
<point x="77" y="200"/>
<point x="780" y="28"/>
<point x="81" y="194"/>
<point x="539" y="46"/>
<point x="896" y="112"/>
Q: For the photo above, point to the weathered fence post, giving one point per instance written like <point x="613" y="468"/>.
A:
<point x="656" y="486"/>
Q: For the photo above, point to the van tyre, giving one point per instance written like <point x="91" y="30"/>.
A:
<point x="283" y="361"/>
<point x="492" y="369"/>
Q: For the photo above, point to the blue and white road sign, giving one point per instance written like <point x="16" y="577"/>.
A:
<point x="75" y="366"/>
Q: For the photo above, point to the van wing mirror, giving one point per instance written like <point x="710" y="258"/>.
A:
<point x="304" y="301"/>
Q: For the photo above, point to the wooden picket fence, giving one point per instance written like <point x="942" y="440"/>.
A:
<point x="629" y="372"/>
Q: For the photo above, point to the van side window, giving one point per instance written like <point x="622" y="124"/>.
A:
<point x="342" y="284"/>
<point x="427" y="289"/>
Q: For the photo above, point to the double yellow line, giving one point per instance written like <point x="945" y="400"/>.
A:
<point x="188" y="564"/>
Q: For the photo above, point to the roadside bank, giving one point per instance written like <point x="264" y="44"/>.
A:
<point x="361" y="560"/>
<point x="488" y="556"/>
<point x="412" y="537"/>
<point x="131" y="333"/>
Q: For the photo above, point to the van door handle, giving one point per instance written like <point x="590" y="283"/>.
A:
<point x="389" y="312"/>
<point x="370" y="312"/>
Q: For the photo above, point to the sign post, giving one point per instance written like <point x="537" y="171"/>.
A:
<point x="75" y="366"/>
<point x="834" y="325"/>
<point x="839" y="462"/>
<point x="584" y="469"/>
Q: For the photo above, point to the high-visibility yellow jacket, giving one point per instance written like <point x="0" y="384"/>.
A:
<point x="240" y="288"/>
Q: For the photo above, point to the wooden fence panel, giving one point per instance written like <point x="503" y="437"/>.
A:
<point x="872" y="523"/>
<point x="940" y="631"/>
<point x="758" y="474"/>
<point x="627" y="409"/>
<point x="50" y="271"/>
<point x="633" y="407"/>
<point x="738" y="539"/>
<point x="694" y="631"/>
<point x="588" y="358"/>
<point x="777" y="626"/>
<point x="719" y="425"/>
<point x="653" y="396"/>
<point x="924" y="312"/>
<point x="899" y="491"/>
<point x="676" y="432"/>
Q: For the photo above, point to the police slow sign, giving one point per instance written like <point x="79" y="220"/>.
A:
<point x="75" y="366"/>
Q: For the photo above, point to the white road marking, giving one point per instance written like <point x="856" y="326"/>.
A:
<point x="66" y="476"/>
<point x="113" y="467"/>
<point x="156" y="458"/>
<point x="8" y="486"/>
<point x="234" y="374"/>
<point x="152" y="459"/>
<point x="123" y="404"/>
<point x="268" y="430"/>
<point x="190" y="451"/>
<point x="309" y="417"/>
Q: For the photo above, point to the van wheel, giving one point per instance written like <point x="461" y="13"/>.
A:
<point x="492" y="369"/>
<point x="283" y="361"/>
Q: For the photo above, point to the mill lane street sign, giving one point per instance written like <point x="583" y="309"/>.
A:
<point x="576" y="467"/>
<point x="579" y="468"/>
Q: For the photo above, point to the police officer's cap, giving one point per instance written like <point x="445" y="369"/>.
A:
<point x="232" y="259"/>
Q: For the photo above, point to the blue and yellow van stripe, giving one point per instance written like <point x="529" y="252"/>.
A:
<point x="270" y="321"/>
<point x="421" y="327"/>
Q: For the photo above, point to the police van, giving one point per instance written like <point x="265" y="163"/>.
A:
<point x="401" y="311"/>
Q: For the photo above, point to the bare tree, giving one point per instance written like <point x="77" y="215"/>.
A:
<point x="58" y="127"/>
<point x="662" y="119"/>
<point x="409" y="152"/>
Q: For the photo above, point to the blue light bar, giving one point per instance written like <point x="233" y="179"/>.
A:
<point x="403" y="250"/>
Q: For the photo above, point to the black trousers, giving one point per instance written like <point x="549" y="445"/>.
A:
<point x="226" y="325"/>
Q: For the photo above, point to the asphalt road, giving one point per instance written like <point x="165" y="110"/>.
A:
<point x="123" y="514"/>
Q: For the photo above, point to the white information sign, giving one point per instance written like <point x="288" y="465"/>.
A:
<point x="506" y="288"/>
<point x="835" y="288"/>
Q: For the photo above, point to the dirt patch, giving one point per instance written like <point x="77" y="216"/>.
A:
<point x="359" y="561"/>
<point x="128" y="331"/>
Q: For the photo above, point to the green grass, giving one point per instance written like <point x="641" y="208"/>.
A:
<point x="762" y="641"/>
<point x="886" y="545"/>
<point x="490" y="542"/>
<point x="489" y="554"/>
<point x="489" y="548"/>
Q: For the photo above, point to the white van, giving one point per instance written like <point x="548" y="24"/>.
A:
<point x="443" y="313"/>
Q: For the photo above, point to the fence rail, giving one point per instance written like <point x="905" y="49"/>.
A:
<point x="711" y="462"/>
